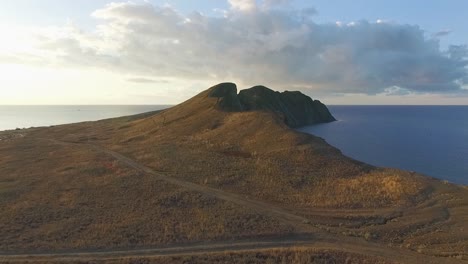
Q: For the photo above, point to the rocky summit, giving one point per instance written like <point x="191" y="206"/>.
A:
<point x="297" y="108"/>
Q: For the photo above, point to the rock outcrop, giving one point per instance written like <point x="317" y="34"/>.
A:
<point x="297" y="108"/>
<point x="227" y="97"/>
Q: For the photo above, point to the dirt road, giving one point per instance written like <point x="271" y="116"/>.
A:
<point x="304" y="235"/>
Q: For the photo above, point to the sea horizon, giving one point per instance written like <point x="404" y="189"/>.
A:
<point x="26" y="116"/>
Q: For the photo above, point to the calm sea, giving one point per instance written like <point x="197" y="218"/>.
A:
<point x="432" y="140"/>
<point x="12" y="117"/>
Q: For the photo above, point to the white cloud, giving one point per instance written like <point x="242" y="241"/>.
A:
<point x="282" y="48"/>
<point x="243" y="5"/>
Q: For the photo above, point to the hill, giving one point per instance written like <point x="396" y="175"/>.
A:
<point x="220" y="167"/>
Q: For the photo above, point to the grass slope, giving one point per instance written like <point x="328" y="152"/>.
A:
<point x="62" y="196"/>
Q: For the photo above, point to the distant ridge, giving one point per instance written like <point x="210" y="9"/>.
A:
<point x="297" y="108"/>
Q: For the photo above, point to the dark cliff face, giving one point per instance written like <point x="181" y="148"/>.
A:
<point x="227" y="97"/>
<point x="298" y="109"/>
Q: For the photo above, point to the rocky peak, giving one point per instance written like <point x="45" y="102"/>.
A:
<point x="297" y="108"/>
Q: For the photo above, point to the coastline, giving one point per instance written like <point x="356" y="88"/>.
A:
<point x="430" y="140"/>
<point x="21" y="131"/>
<point x="235" y="183"/>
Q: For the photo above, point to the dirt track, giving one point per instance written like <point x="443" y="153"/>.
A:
<point x="305" y="234"/>
<point x="219" y="247"/>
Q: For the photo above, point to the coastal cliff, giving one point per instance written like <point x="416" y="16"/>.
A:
<point x="297" y="108"/>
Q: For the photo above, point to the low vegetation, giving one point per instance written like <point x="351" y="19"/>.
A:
<point x="73" y="197"/>
<point x="58" y="191"/>
<point x="298" y="255"/>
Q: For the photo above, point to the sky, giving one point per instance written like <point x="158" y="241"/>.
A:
<point x="165" y="51"/>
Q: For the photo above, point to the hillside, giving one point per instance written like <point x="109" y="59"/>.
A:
<point x="222" y="166"/>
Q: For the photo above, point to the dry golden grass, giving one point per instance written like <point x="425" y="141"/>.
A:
<point x="70" y="196"/>
<point x="293" y="255"/>
<point x="56" y="196"/>
<point x="255" y="154"/>
<point x="375" y="189"/>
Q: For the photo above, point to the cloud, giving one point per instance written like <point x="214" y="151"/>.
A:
<point x="442" y="33"/>
<point x="251" y="44"/>
<point x="395" y="91"/>
<point x="243" y="5"/>
<point x="275" y="3"/>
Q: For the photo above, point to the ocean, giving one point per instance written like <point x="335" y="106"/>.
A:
<point x="19" y="116"/>
<point x="432" y="140"/>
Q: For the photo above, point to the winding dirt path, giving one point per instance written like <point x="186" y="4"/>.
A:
<point x="304" y="235"/>
<point x="366" y="249"/>
<point x="281" y="214"/>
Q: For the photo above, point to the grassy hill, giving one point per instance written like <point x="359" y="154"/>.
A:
<point x="210" y="170"/>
